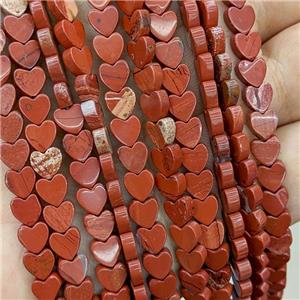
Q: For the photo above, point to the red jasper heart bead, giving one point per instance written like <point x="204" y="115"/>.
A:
<point x="5" y="69"/>
<point x="205" y="211"/>
<point x="165" y="288"/>
<point x="199" y="185"/>
<point x="48" y="288"/>
<point x="11" y="127"/>
<point x="275" y="203"/>
<point x="189" y="134"/>
<point x="157" y="6"/>
<point x="217" y="259"/>
<point x="213" y="235"/>
<point x="99" y="4"/>
<point x="173" y="186"/>
<point x="8" y="97"/>
<point x="195" y="159"/>
<point x="82" y="291"/>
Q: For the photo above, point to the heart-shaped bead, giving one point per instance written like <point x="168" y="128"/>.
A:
<point x="277" y="226"/>
<point x="258" y="99"/>
<point x="280" y="245"/>
<point x="114" y="76"/>
<point x="11" y="127"/>
<point x="109" y="49"/>
<point x="100" y="227"/>
<point x="129" y="7"/>
<point x="8" y="97"/>
<point x="69" y="120"/>
<point x="126" y="131"/>
<point x="111" y="279"/>
<point x="121" y="104"/>
<point x="153" y="239"/>
<point x="156" y="105"/>
<point x="134" y="158"/>
<point x="65" y="245"/>
<point x="34" y="238"/>
<point x="46" y="164"/>
<point x="192" y="261"/>
<point x="63" y="9"/>
<point x="240" y="19"/>
<point x="157" y="6"/>
<point x="266" y="152"/>
<point x="59" y="218"/>
<point x="100" y="250"/>
<point x="236" y="3"/>
<point x="170" y="54"/>
<point x="195" y="159"/>
<point x="252" y="72"/>
<point x="123" y="293"/>
<point x="217" y="259"/>
<point x="194" y="282"/>
<point x="73" y="271"/>
<point x="16" y="8"/>
<point x="70" y="34"/>
<point x="139" y="186"/>
<point x="86" y="173"/>
<point x="199" y="185"/>
<point x="5" y="69"/>
<point x="78" y="61"/>
<point x="2" y="40"/>
<point x="182" y="107"/>
<point x="165" y="288"/>
<point x="27" y="211"/>
<point x="48" y="288"/>
<point x="99" y="4"/>
<point x="167" y="22"/>
<point x="19" y="29"/>
<point x="205" y="211"/>
<point x="39" y="265"/>
<point x="246" y="46"/>
<point x="213" y="235"/>
<point x="144" y="214"/>
<point x="104" y="21"/>
<point x="20" y="183"/>
<point x="79" y="146"/>
<point x="9" y="157"/>
<point x="30" y="82"/>
<point x="272" y="177"/>
<point x="172" y="187"/>
<point x="177" y="80"/>
<point x="92" y="200"/>
<point x="275" y="203"/>
<point x="158" y="266"/>
<point x="186" y="237"/>
<point x="181" y="211"/>
<point x="142" y="51"/>
<point x="41" y="137"/>
<point x="263" y="125"/>
<point x="189" y="134"/>
<point x="83" y="291"/>
<point x="26" y="55"/>
<point x="52" y="191"/>
<point x="36" y="109"/>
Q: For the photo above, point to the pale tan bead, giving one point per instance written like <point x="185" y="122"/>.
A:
<point x="101" y="140"/>
<point x="167" y="128"/>
<point x="14" y="7"/>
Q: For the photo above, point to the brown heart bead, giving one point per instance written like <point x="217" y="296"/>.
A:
<point x="170" y="54"/>
<point x="251" y="73"/>
<point x="19" y="29"/>
<point x="111" y="279"/>
<point x="186" y="237"/>
<point x="206" y="210"/>
<point x="47" y="289"/>
<point x="194" y="282"/>
<point x="199" y="185"/>
<point x="182" y="107"/>
<point x="86" y="173"/>
<point x="139" y="186"/>
<point x="8" y="154"/>
<point x="153" y="239"/>
<point x="158" y="266"/>
<point x="157" y="6"/>
<point x="217" y="259"/>
<point x="246" y="46"/>
<point x="109" y="49"/>
<point x="213" y="235"/>
<point x="83" y="291"/>
<point x="30" y="82"/>
<point x="100" y="227"/>
<point x="104" y="21"/>
<point x="266" y="152"/>
<point x="27" y="211"/>
<point x="65" y="245"/>
<point x="52" y="191"/>
<point x="114" y="76"/>
<point x="275" y="203"/>
<point x="73" y="271"/>
<point x="39" y="265"/>
<point x="8" y="97"/>
<point x="92" y="200"/>
<point x="167" y="21"/>
<point x="59" y="218"/>
<point x="189" y="134"/>
<point x="20" y="183"/>
<point x="195" y="159"/>
<point x="165" y="288"/>
<point x="11" y="127"/>
<point x="145" y="213"/>
<point x="177" y="80"/>
<point x="273" y="177"/>
<point x="277" y="226"/>
<point x="36" y="109"/>
<point x="240" y="20"/>
<point x="100" y="250"/>
<point x="192" y="261"/>
<point x="173" y="186"/>
<point x="34" y="238"/>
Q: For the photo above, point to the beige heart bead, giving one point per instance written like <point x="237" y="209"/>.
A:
<point x="14" y="7"/>
<point x="167" y="128"/>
